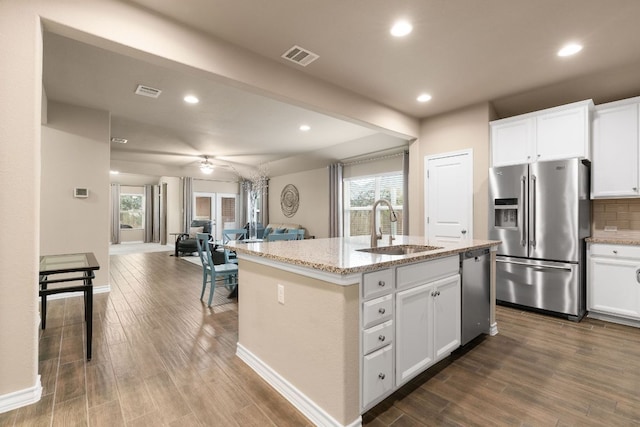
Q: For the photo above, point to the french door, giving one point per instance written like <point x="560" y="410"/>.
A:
<point x="221" y="208"/>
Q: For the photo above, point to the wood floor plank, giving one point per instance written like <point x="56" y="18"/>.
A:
<point x="71" y="413"/>
<point x="167" y="398"/>
<point x="40" y="414"/>
<point x="71" y="381"/>
<point x="108" y="414"/>
<point x="101" y="384"/>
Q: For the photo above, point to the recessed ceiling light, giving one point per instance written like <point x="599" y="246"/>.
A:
<point x="424" y="97"/>
<point x="305" y="128"/>
<point x="114" y="172"/>
<point x="190" y="99"/>
<point x="570" y="49"/>
<point x="119" y="140"/>
<point x="401" y="29"/>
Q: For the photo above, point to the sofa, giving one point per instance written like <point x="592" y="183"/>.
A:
<point x="274" y="227"/>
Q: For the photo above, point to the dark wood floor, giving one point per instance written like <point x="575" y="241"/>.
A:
<point x="163" y="358"/>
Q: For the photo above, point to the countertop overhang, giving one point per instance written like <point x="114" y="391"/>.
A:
<point x="340" y="255"/>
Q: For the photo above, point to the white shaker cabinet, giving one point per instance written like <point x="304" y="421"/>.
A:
<point x="428" y="318"/>
<point x="414" y="322"/>
<point x="616" y="161"/>
<point x="613" y="284"/>
<point x="427" y="326"/>
<point x="410" y="319"/>
<point x="512" y="141"/>
<point x="556" y="133"/>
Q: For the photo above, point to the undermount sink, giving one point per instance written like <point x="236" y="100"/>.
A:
<point x="400" y="249"/>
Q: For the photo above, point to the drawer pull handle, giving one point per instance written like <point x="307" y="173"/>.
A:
<point x="615" y="252"/>
<point x="382" y="338"/>
<point x="638" y="275"/>
<point x="435" y="293"/>
<point x="381" y="310"/>
<point x="381" y="283"/>
<point x="381" y="376"/>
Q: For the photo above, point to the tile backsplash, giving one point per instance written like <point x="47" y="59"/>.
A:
<point x="621" y="213"/>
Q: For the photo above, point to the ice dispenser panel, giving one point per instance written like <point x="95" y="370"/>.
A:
<point x="506" y="213"/>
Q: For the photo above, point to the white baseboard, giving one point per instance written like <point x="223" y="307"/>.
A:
<point x="493" y="329"/>
<point x="20" y="398"/>
<point x="614" y="319"/>
<point x="304" y="404"/>
<point x="96" y="290"/>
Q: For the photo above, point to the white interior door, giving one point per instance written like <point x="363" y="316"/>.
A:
<point x="449" y="196"/>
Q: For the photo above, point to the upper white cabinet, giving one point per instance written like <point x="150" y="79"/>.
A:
<point x="512" y="141"/>
<point x="616" y="158"/>
<point x="555" y="133"/>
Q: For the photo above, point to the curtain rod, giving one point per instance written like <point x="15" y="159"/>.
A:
<point x="373" y="159"/>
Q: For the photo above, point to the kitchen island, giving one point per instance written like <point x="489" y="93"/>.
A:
<point x="304" y="306"/>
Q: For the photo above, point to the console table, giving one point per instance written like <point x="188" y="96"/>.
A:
<point x="66" y="268"/>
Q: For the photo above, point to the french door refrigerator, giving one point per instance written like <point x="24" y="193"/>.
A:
<point x="541" y="213"/>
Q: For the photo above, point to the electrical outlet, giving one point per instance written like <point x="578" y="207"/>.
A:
<point x="281" y="294"/>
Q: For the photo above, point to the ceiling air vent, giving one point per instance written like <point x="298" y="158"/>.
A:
<point x="148" y="91"/>
<point x="119" y="140"/>
<point x="300" y="56"/>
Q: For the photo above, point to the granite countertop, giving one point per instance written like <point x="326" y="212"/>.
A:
<point x="340" y="255"/>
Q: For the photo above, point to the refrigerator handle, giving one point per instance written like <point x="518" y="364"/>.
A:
<point x="533" y="211"/>
<point x="523" y="224"/>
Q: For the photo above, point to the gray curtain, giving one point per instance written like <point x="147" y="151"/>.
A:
<point x="264" y="201"/>
<point x="335" y="200"/>
<point x="187" y="203"/>
<point x="148" y="213"/>
<point x="405" y="193"/>
<point x="115" y="214"/>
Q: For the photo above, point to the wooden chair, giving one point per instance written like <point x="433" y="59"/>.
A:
<point x="226" y="274"/>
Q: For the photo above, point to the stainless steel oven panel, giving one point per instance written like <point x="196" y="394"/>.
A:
<point x="553" y="286"/>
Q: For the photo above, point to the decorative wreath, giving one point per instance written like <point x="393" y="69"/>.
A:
<point x="289" y="200"/>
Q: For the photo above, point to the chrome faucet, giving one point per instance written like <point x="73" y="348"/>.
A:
<point x="392" y="214"/>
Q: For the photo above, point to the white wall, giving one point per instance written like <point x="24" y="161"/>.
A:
<point x="459" y="130"/>
<point x="75" y="153"/>
<point x="174" y="205"/>
<point x="206" y="186"/>
<point x="313" y="210"/>
<point x="20" y="112"/>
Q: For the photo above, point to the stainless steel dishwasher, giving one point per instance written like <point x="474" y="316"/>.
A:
<point x="475" y="293"/>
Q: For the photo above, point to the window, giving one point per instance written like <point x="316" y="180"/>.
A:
<point x="131" y="211"/>
<point x="360" y="194"/>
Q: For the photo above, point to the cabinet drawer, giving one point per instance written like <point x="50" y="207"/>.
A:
<point x="615" y="251"/>
<point x="377" y="283"/>
<point x="377" y="375"/>
<point x="377" y="337"/>
<point x="377" y="311"/>
<point x="428" y="271"/>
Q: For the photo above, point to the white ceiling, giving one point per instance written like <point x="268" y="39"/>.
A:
<point x="461" y="52"/>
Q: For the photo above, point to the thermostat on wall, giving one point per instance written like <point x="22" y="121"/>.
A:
<point x="80" y="192"/>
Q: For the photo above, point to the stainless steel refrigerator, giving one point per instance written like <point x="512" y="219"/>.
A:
<point x="541" y="213"/>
